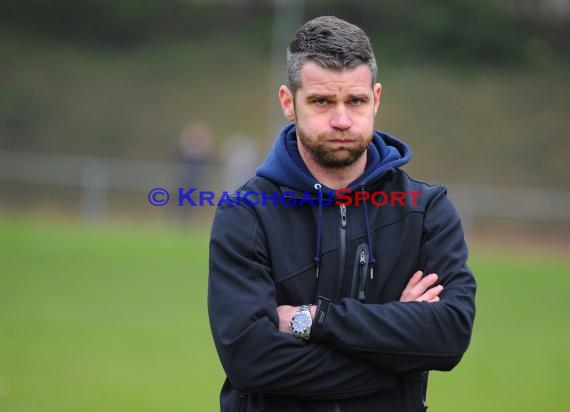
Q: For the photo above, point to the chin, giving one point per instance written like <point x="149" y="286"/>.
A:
<point x="340" y="161"/>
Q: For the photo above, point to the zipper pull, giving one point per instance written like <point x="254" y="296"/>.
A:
<point x="342" y="216"/>
<point x="362" y="261"/>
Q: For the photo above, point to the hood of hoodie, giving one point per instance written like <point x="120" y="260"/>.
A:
<point x="285" y="166"/>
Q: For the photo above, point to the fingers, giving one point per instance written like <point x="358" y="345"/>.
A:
<point x="407" y="294"/>
<point x="416" y="277"/>
<point x="431" y="294"/>
<point x="425" y="283"/>
<point x="418" y="286"/>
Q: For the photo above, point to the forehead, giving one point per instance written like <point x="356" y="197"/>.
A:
<point x="317" y="79"/>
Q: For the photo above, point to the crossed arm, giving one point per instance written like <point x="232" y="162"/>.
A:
<point x="418" y="289"/>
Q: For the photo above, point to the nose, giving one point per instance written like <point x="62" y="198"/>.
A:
<point x="340" y="118"/>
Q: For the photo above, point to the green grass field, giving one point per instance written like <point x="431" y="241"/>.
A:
<point x="115" y="319"/>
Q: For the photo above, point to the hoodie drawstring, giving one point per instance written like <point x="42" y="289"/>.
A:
<point x="317" y="258"/>
<point x="369" y="236"/>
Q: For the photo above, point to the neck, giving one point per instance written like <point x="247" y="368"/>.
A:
<point x="335" y="178"/>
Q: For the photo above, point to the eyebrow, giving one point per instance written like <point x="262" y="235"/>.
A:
<point x="361" y="96"/>
<point x="314" y="96"/>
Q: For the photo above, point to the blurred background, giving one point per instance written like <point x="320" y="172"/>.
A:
<point x="102" y="295"/>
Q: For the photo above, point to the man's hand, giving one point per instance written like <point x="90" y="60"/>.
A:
<point x="286" y="313"/>
<point x="419" y="289"/>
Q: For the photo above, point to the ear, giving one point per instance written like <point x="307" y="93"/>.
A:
<point x="377" y="92"/>
<point x="287" y="105"/>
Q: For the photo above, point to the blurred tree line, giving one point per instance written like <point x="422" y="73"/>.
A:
<point x="485" y="31"/>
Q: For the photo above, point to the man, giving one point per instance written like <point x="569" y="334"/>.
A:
<point x="317" y="294"/>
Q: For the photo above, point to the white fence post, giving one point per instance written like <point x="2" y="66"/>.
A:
<point x="94" y="186"/>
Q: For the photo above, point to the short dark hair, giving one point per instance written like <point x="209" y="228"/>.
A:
<point x="331" y="43"/>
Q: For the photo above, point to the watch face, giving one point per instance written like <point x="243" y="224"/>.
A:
<point x="301" y="324"/>
<point x="302" y="321"/>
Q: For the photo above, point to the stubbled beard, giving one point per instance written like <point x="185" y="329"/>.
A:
<point x="336" y="158"/>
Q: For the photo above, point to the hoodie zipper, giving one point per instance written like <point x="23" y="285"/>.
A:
<point x="362" y="275"/>
<point x="342" y="258"/>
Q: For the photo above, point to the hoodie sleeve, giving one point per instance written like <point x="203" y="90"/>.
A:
<point x="407" y="336"/>
<point x="242" y="310"/>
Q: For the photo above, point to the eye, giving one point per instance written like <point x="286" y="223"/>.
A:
<point x="321" y="101"/>
<point x="356" y="101"/>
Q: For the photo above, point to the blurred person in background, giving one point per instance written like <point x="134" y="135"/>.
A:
<point x="195" y="152"/>
<point x="329" y="305"/>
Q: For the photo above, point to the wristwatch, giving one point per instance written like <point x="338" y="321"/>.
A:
<point x="301" y="322"/>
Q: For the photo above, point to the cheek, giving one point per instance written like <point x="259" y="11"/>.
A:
<point x="365" y="121"/>
<point x="310" y="122"/>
